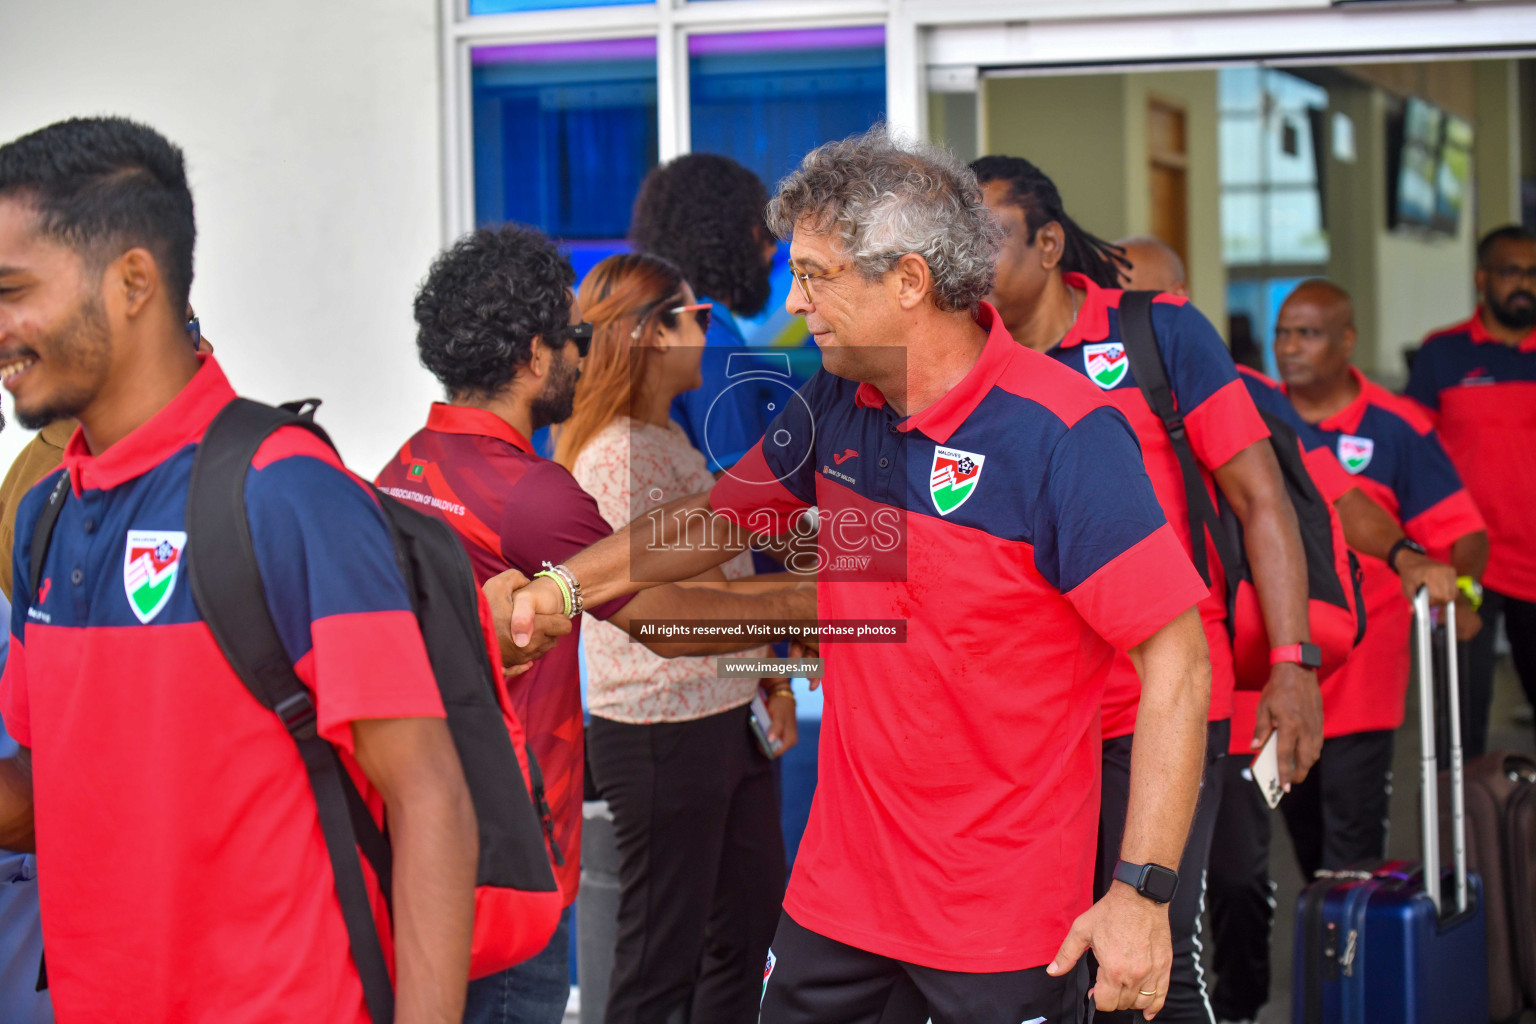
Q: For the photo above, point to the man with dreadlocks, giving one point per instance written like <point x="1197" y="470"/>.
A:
<point x="1057" y="291"/>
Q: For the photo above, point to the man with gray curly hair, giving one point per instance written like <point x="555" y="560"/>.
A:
<point x="992" y="509"/>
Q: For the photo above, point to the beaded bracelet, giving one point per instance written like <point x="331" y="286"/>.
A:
<point x="570" y="578"/>
<point x="565" y="589"/>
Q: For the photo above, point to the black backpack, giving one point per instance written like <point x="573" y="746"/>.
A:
<point x="517" y="903"/>
<point x="1336" y="604"/>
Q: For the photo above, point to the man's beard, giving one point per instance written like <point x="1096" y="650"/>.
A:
<point x="558" y="399"/>
<point x="82" y="344"/>
<point x="1516" y="318"/>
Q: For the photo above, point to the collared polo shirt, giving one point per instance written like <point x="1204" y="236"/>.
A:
<point x="1012" y="527"/>
<point x="1389" y="448"/>
<point x="184" y="874"/>
<point x="1481" y="394"/>
<point x="512" y="509"/>
<point x="1221" y="422"/>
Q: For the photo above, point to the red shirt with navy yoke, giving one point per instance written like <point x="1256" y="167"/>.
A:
<point x="956" y="807"/>
<point x="1388" y="446"/>
<point x="185" y="877"/>
<point x="512" y="509"/>
<point x="1481" y="394"/>
<point x="1221" y="421"/>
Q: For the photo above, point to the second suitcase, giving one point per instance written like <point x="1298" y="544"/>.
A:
<point x="1401" y="942"/>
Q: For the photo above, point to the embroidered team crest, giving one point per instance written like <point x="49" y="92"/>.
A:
<point x="150" y="566"/>
<point x="1106" y="364"/>
<point x="773" y="962"/>
<point x="1355" y="452"/>
<point x="954" y="478"/>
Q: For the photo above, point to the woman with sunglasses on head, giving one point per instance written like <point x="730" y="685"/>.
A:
<point x="696" y="819"/>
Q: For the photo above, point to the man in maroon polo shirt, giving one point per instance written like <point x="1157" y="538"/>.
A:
<point x="1477" y="380"/>
<point x="499" y="327"/>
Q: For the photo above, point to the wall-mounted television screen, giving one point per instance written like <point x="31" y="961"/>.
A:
<point x="1454" y="174"/>
<point x="1418" y="164"/>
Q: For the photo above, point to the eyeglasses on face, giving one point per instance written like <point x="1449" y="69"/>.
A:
<point x="805" y="277"/>
<point x="581" y="334"/>
<point x="703" y="312"/>
<point x="1512" y="273"/>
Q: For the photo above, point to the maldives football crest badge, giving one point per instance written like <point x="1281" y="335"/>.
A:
<point x="1106" y="364"/>
<point x="151" y="564"/>
<point x="954" y="478"/>
<point x="1355" y="452"/>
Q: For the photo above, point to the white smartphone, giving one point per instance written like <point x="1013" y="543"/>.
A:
<point x="761" y="723"/>
<point x="1266" y="771"/>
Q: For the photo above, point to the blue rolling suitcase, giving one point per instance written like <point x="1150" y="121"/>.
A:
<point x="1379" y="945"/>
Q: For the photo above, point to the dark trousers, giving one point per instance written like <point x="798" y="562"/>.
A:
<point x="811" y="979"/>
<point x="1186" y="988"/>
<point x="701" y="867"/>
<point x="1338" y="816"/>
<point x="1242" y="896"/>
<point x="1477" y="689"/>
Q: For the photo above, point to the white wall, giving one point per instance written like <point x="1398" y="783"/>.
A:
<point x="312" y="141"/>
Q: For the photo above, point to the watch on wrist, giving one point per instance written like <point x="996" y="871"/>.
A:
<point x="1153" y="881"/>
<point x="1305" y="655"/>
<point x="1403" y="542"/>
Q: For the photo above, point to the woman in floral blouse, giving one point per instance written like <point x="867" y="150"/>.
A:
<point x="695" y="814"/>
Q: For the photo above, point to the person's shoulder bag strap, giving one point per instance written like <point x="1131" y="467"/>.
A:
<point x="1147" y="366"/>
<point x="226" y="584"/>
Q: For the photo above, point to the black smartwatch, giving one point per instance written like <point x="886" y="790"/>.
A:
<point x="1403" y="542"/>
<point x="1153" y="881"/>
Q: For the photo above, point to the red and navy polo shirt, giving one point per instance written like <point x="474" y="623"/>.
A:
<point x="185" y="877"/>
<point x="1013" y="528"/>
<point x="1390" y="450"/>
<point x="1481" y="394"/>
<point x="1221" y="421"/>
<point x="514" y="510"/>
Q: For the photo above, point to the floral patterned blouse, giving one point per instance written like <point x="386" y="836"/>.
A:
<point x="631" y="467"/>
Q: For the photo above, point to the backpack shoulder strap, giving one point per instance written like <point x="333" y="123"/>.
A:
<point x="227" y="587"/>
<point x="42" y="531"/>
<point x="1151" y="373"/>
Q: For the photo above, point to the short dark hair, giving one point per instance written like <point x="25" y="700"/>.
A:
<point x="103" y="185"/>
<point x="484" y="301"/>
<point x="1033" y="192"/>
<point x="1507" y="233"/>
<point x="704" y="212"/>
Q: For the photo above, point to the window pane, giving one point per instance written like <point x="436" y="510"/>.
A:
<point x="504" y="6"/>
<point x="1242" y="227"/>
<point x="1289" y="93"/>
<point x="1296" y="227"/>
<point x="1238" y="89"/>
<point x="1290" y="153"/>
<point x="768" y="98"/>
<point x="1241" y="145"/>
<point x="564" y="133"/>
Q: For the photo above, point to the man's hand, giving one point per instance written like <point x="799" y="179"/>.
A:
<point x="1468" y="622"/>
<point x="1292" y="704"/>
<point x="545" y="630"/>
<point x="806" y="649"/>
<point x="781" y="711"/>
<point x="1418" y="570"/>
<point x="1129" y="936"/>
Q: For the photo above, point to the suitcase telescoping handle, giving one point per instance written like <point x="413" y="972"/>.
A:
<point x="1429" y="769"/>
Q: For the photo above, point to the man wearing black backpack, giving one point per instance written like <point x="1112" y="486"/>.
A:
<point x="1058" y="291"/>
<point x="186" y="877"/>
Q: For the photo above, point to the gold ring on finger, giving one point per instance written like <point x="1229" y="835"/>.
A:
<point x="1150" y="995"/>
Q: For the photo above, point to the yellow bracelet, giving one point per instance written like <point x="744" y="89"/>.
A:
<point x="565" y="589"/>
<point x="1473" y="589"/>
<point x="782" y="689"/>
